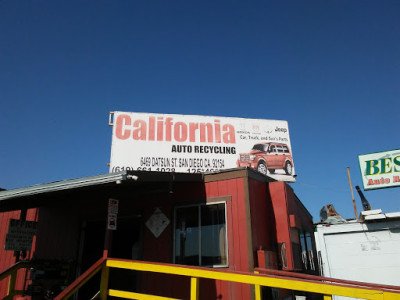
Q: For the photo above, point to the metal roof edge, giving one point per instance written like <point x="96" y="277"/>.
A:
<point x="237" y="173"/>
<point x="64" y="185"/>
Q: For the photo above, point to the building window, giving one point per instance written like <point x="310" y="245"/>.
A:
<point x="307" y="253"/>
<point x="200" y="235"/>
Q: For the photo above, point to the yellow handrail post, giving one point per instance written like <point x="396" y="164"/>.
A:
<point x="11" y="283"/>
<point x="257" y="288"/>
<point x="105" y="272"/>
<point x="327" y="297"/>
<point x="194" y="288"/>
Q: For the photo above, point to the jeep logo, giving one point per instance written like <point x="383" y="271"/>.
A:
<point x="277" y="129"/>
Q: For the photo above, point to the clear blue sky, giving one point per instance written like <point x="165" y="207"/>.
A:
<point x="330" y="68"/>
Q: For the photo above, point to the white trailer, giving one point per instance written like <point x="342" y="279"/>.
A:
<point x="366" y="250"/>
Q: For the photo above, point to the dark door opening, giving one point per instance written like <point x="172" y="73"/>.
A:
<point x="126" y="244"/>
<point x="93" y="245"/>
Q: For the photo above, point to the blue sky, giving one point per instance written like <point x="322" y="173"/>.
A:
<point x="330" y="68"/>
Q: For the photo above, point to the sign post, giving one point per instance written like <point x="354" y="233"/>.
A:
<point x="112" y="214"/>
<point x="111" y="224"/>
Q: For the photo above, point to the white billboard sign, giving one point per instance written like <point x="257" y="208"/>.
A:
<point x="380" y="169"/>
<point x="197" y="144"/>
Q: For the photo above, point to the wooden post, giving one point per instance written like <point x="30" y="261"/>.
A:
<point x="112" y="211"/>
<point x="19" y="253"/>
<point x="352" y="194"/>
<point x="105" y="271"/>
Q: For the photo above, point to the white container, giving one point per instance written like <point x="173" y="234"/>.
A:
<point x="360" y="251"/>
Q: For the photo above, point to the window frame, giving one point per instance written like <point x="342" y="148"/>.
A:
<point x="285" y="149"/>
<point x="199" y="205"/>
<point x="272" y="149"/>
<point x="307" y="250"/>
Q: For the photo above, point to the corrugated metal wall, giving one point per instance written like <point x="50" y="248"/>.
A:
<point x="7" y="258"/>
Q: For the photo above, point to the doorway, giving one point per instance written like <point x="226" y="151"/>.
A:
<point x="127" y="243"/>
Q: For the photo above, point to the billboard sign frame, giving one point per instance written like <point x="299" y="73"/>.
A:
<point x="199" y="144"/>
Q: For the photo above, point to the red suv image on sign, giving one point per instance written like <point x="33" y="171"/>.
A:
<point x="267" y="157"/>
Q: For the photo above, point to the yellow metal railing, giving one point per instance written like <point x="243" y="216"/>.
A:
<point x="258" y="280"/>
<point x="12" y="274"/>
<point x="343" y="282"/>
<point x="327" y="289"/>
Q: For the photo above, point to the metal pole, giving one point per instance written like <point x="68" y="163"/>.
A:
<point x="352" y="194"/>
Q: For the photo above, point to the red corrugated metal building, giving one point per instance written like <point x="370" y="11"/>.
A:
<point x="235" y="219"/>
